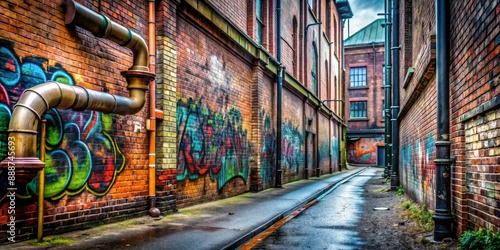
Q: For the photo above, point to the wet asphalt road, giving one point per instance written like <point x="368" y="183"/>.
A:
<point x="328" y="224"/>
<point x="228" y="223"/>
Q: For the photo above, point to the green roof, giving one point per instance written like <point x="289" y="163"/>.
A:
<point x="371" y="33"/>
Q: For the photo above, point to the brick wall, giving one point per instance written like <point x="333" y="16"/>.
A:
<point x="373" y="93"/>
<point x="213" y="118"/>
<point x="292" y="144"/>
<point x="96" y="163"/>
<point x="215" y="87"/>
<point x="417" y="150"/>
<point x="474" y="77"/>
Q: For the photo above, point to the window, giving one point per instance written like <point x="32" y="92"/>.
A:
<point x="358" y="77"/>
<point x="314" y="71"/>
<point x="358" y="109"/>
<point x="260" y="21"/>
<point x="295" y="47"/>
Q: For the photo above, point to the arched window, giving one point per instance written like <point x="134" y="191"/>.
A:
<point x="295" y="47"/>
<point x="314" y="70"/>
<point x="328" y="81"/>
<point x="335" y="35"/>
<point x="259" y="22"/>
<point x="329" y="20"/>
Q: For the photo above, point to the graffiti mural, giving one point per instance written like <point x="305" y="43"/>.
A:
<point x="416" y="161"/>
<point x="81" y="153"/>
<point x="292" y="156"/>
<point x="268" y="151"/>
<point x="335" y="151"/>
<point x="292" y="143"/>
<point x="324" y="151"/>
<point x="364" y="150"/>
<point x="211" y="143"/>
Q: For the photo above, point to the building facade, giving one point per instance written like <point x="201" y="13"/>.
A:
<point x="474" y="73"/>
<point x="364" y="109"/>
<point x="206" y="129"/>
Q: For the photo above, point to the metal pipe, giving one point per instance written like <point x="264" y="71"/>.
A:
<point x="316" y="141"/>
<point x="37" y="100"/>
<point x="395" y="96"/>
<point x="442" y="216"/>
<point x="41" y="182"/>
<point x="387" y="89"/>
<point x="279" y="120"/>
<point x="374" y="85"/>
<point x="153" y="210"/>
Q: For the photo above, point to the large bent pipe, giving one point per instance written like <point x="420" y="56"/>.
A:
<point x="37" y="100"/>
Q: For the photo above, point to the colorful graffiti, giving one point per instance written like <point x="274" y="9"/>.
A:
<point x="364" y="150"/>
<point x="335" y="150"/>
<point x="292" y="142"/>
<point x="417" y="165"/>
<point x="211" y="143"/>
<point x="268" y="151"/>
<point x="81" y="153"/>
<point x="292" y="156"/>
<point x="324" y="151"/>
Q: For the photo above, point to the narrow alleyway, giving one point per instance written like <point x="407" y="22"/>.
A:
<point x="331" y="212"/>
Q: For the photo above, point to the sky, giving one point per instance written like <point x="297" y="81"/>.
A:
<point x="365" y="12"/>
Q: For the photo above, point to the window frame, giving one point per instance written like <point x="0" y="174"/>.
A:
<point x="358" y="82"/>
<point x="259" y="21"/>
<point x="357" y="109"/>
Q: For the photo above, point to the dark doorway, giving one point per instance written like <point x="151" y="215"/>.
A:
<point x="380" y="156"/>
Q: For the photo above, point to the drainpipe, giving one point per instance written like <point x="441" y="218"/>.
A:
<point x="153" y="211"/>
<point x="307" y="122"/>
<point x="387" y="89"/>
<point x="41" y="182"/>
<point x="37" y="100"/>
<point x="374" y="84"/>
<point x="279" y="120"/>
<point x="395" y="97"/>
<point x="442" y="216"/>
<point x="318" y="167"/>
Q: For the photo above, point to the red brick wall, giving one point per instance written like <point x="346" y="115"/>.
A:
<point x="37" y="46"/>
<point x="474" y="77"/>
<point x="234" y="10"/>
<point x="292" y="145"/>
<point x="417" y="150"/>
<point x="373" y="93"/>
<point x="290" y="45"/>
<point x="213" y="118"/>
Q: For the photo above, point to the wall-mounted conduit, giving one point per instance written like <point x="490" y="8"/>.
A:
<point x="37" y="100"/>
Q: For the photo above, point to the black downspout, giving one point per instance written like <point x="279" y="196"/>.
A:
<point x="280" y="95"/>
<point x="395" y="96"/>
<point x="387" y="89"/>
<point x="442" y="216"/>
<point x="374" y="125"/>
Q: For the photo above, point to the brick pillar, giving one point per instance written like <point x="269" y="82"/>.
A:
<point x="256" y="183"/>
<point x="166" y="70"/>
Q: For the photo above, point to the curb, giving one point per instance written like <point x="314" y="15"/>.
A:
<point x="318" y="195"/>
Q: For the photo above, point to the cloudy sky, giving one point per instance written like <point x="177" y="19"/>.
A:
<point x="365" y="12"/>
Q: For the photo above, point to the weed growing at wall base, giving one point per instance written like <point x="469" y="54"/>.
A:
<point x="419" y="214"/>
<point x="481" y="239"/>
